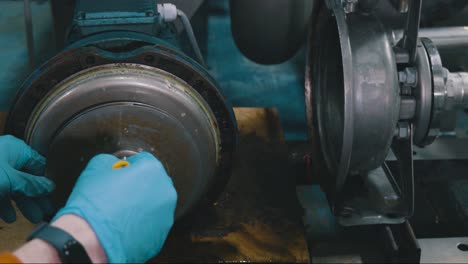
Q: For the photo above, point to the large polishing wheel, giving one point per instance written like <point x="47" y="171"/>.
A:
<point x="123" y="109"/>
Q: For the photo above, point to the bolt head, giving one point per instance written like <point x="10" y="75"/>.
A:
<point x="403" y="130"/>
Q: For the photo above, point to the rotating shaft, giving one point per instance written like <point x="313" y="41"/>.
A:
<point x="446" y="92"/>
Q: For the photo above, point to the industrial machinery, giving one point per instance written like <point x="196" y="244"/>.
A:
<point x="371" y="90"/>
<point x="384" y="79"/>
<point x="123" y="86"/>
<point x="375" y="86"/>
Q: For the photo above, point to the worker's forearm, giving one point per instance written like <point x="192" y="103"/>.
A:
<point x="40" y="251"/>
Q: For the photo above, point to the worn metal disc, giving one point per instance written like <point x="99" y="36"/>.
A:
<point x="123" y="109"/>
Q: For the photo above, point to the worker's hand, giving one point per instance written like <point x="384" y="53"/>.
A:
<point x="130" y="208"/>
<point x="25" y="189"/>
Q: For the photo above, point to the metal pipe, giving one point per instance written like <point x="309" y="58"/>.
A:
<point x="456" y="90"/>
<point x="446" y="37"/>
<point x="29" y="32"/>
<point x="442" y="37"/>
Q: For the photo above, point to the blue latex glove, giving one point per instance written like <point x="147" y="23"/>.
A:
<point x="131" y="209"/>
<point x="25" y="189"/>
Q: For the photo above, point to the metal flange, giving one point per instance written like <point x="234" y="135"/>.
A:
<point x="423" y="93"/>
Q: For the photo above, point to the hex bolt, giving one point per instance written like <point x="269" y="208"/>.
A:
<point x="402" y="77"/>
<point x="408" y="77"/>
<point x="403" y="130"/>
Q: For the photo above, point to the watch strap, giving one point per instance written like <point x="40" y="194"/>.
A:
<point x="68" y="248"/>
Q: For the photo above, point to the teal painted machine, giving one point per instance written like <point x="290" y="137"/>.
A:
<point x="123" y="85"/>
<point x="140" y="34"/>
<point x="278" y="85"/>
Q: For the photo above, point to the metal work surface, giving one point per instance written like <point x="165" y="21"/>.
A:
<point x="433" y="250"/>
<point x="444" y="250"/>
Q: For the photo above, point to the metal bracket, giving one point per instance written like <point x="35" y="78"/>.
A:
<point x="401" y="245"/>
<point x="388" y="199"/>
<point x="403" y="150"/>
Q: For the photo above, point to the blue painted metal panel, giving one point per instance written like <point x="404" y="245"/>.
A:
<point x="247" y="84"/>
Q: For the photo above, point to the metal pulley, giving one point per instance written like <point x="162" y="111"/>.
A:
<point x="88" y="100"/>
<point x="354" y="92"/>
<point x="367" y="94"/>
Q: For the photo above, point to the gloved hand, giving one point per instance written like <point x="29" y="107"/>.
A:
<point x="25" y="189"/>
<point x="130" y="208"/>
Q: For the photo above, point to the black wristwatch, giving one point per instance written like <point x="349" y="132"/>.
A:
<point x="68" y="248"/>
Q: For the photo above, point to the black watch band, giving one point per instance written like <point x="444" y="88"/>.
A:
<point x="68" y="248"/>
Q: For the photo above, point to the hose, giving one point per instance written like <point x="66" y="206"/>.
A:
<point x="191" y="36"/>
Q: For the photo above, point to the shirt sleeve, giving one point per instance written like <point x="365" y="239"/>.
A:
<point x="9" y="258"/>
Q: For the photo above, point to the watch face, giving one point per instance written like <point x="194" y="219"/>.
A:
<point x="73" y="251"/>
<point x="70" y="247"/>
